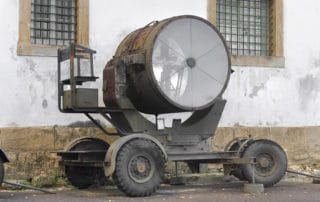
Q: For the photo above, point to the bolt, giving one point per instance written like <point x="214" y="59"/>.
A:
<point x="191" y="62"/>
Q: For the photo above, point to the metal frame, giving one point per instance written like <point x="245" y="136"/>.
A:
<point x="188" y="141"/>
<point x="75" y="51"/>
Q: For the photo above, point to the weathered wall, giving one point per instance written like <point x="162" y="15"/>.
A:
<point x="30" y="149"/>
<point x="256" y="96"/>
<point x="263" y="97"/>
<point x="31" y="99"/>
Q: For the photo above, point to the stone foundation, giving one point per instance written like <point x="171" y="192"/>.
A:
<point x="30" y="149"/>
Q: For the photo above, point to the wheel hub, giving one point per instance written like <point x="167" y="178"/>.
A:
<point x="265" y="164"/>
<point x="140" y="168"/>
<point x="191" y="62"/>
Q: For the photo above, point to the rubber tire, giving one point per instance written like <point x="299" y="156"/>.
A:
<point x="194" y="166"/>
<point x="280" y="159"/>
<point x="237" y="172"/>
<point x="1" y="171"/>
<point x="84" y="177"/>
<point x="122" y="177"/>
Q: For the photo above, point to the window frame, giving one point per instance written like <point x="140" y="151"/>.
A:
<point x="276" y="58"/>
<point x="26" y="48"/>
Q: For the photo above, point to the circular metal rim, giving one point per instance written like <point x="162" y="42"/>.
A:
<point x="151" y="172"/>
<point x="260" y="170"/>
<point x="154" y="80"/>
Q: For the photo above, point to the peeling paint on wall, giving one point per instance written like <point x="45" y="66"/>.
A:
<point x="12" y="50"/>
<point x="316" y="62"/>
<point x="309" y="87"/>
<point x="255" y="90"/>
<point x="32" y="94"/>
<point x="255" y="95"/>
<point x="44" y="104"/>
<point x="27" y="70"/>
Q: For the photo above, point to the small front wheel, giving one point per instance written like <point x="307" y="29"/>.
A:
<point x="139" y="167"/>
<point x="271" y="162"/>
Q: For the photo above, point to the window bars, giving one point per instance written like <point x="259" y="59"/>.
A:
<point x="53" y="22"/>
<point x="245" y="26"/>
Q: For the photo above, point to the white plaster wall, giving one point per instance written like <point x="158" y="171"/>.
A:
<point x="256" y="96"/>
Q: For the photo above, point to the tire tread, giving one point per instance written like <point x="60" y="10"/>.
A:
<point x="124" y="184"/>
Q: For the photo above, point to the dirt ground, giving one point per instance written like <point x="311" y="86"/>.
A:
<point x="287" y="190"/>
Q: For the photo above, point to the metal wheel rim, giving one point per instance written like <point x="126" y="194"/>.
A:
<point x="170" y="100"/>
<point x="265" y="170"/>
<point x="143" y="176"/>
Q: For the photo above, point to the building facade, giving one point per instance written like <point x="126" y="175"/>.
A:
<point x="273" y="93"/>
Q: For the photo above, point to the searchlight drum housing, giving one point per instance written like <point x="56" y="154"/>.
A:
<point x="178" y="64"/>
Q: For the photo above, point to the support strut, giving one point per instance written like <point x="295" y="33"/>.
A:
<point x="28" y="187"/>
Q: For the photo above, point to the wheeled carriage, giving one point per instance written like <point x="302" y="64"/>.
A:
<point x="180" y="64"/>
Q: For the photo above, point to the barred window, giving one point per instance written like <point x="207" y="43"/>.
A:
<point x="245" y="26"/>
<point x="53" y="22"/>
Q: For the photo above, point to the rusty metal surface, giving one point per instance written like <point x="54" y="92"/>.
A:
<point x="109" y="85"/>
<point x="135" y="41"/>
<point x="139" y="42"/>
<point x="144" y="98"/>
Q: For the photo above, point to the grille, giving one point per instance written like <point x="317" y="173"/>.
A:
<point x="53" y="22"/>
<point x="245" y="26"/>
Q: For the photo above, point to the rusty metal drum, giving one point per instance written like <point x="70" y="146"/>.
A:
<point x="182" y="64"/>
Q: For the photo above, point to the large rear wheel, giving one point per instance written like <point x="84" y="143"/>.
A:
<point x="139" y="168"/>
<point x="271" y="162"/>
<point x="83" y="177"/>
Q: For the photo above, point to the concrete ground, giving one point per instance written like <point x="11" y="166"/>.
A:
<point x="217" y="191"/>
